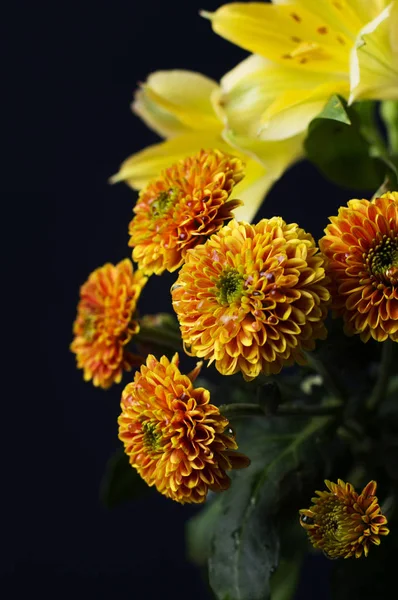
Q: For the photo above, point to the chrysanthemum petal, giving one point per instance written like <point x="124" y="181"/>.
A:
<point x="181" y="444"/>
<point x="105" y="323"/>
<point x="361" y="248"/>
<point x="188" y="202"/>
<point x="251" y="273"/>
<point x="342" y="523"/>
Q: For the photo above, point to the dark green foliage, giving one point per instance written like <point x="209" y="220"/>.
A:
<point x="344" y="147"/>
<point x="121" y="481"/>
<point x="240" y="528"/>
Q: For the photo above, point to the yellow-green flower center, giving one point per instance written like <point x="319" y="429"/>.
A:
<point x="151" y="436"/>
<point x="334" y="525"/>
<point x="382" y="261"/>
<point x="89" y="326"/>
<point x="163" y="202"/>
<point x="229" y="286"/>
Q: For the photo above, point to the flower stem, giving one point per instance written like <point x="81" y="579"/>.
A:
<point x="389" y="114"/>
<point x="380" y="388"/>
<point x="384" y="187"/>
<point x="254" y="410"/>
<point x="158" y="337"/>
<point x="330" y="381"/>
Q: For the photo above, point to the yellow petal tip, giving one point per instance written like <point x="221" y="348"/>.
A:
<point x="206" y="14"/>
<point x="116" y="178"/>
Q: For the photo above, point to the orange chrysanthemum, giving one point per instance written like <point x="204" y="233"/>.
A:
<point x="105" y="322"/>
<point x="174" y="437"/>
<point x="252" y="298"/>
<point x="185" y="205"/>
<point x="361" y="247"/>
<point x="342" y="522"/>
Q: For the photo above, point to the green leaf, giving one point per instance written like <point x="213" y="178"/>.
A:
<point x="120" y="482"/>
<point x="342" y="151"/>
<point x="285" y="454"/>
<point x="284" y="581"/>
<point x="294" y="546"/>
<point x="199" y="531"/>
<point x="335" y="110"/>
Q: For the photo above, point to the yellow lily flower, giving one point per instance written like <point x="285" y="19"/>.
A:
<point x="304" y="52"/>
<point x="183" y="107"/>
<point x="374" y="59"/>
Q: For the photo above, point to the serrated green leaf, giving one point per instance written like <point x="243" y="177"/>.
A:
<point x="343" y="153"/>
<point x="335" y="110"/>
<point x="245" y="546"/>
<point x="120" y="482"/>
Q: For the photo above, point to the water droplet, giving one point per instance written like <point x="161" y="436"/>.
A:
<point x="306" y="519"/>
<point x="236" y="538"/>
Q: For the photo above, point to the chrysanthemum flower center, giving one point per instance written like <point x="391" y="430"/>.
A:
<point x="332" y="520"/>
<point x="229" y="286"/>
<point x="163" y="202"/>
<point x="89" y="327"/>
<point x="151" y="436"/>
<point x="382" y="261"/>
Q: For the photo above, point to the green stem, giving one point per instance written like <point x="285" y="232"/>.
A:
<point x="254" y="410"/>
<point x="385" y="187"/>
<point x="159" y="337"/>
<point x="330" y="381"/>
<point x="380" y="388"/>
<point x="389" y="114"/>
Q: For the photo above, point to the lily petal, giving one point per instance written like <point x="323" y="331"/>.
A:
<point x="175" y="102"/>
<point x="374" y="59"/>
<point x="143" y="166"/>
<point x="252" y="195"/>
<point x="345" y="16"/>
<point x="292" y="111"/>
<point x="283" y="33"/>
<point x="275" y="156"/>
<point x="270" y="160"/>
<point x="261" y="99"/>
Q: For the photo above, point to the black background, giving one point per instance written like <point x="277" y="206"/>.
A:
<point x="73" y="70"/>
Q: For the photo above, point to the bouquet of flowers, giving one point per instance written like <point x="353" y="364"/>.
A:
<point x="295" y="386"/>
